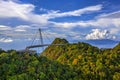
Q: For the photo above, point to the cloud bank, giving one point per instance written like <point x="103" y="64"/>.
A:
<point x="26" y="12"/>
<point x="102" y="22"/>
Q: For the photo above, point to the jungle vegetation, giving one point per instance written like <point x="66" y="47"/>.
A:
<point x="76" y="61"/>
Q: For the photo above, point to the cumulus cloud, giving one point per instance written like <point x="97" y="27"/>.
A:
<point x="6" y="40"/>
<point x="99" y="34"/>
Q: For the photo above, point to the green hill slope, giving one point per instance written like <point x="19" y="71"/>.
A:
<point x="68" y="52"/>
<point x="76" y="61"/>
<point x="88" y="61"/>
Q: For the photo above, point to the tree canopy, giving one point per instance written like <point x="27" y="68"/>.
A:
<point x="76" y="61"/>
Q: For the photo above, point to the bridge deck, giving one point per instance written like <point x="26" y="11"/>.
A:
<point x="34" y="46"/>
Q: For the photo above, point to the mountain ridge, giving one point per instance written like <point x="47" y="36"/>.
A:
<point x="101" y="43"/>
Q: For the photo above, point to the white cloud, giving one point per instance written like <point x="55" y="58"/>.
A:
<point x="100" y="34"/>
<point x="64" y="24"/>
<point x="11" y="9"/>
<point x="26" y="12"/>
<point x="48" y="11"/>
<point x="21" y="28"/>
<point x="114" y="30"/>
<point x="106" y="20"/>
<point x="103" y="22"/>
<point x="99" y="23"/>
<point x="79" y="12"/>
<point x="16" y="32"/>
<point x="42" y="9"/>
<point x="3" y="28"/>
<point x="110" y="15"/>
<point x="110" y="22"/>
<point x="73" y="24"/>
<point x="6" y="40"/>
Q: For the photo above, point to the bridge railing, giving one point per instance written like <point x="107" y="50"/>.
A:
<point x="34" y="46"/>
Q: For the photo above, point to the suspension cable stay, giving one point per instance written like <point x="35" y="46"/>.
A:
<point x="41" y="44"/>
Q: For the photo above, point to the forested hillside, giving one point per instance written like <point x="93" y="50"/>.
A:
<point x="88" y="61"/>
<point x="76" y="61"/>
<point x="17" y="66"/>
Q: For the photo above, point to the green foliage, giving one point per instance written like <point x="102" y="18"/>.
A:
<point x="88" y="62"/>
<point x="15" y="66"/>
<point x="2" y="51"/>
<point x="77" y="61"/>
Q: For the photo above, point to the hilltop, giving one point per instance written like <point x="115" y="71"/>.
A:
<point x="68" y="51"/>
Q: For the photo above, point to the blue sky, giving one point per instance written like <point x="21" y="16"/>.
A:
<point x="74" y="20"/>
